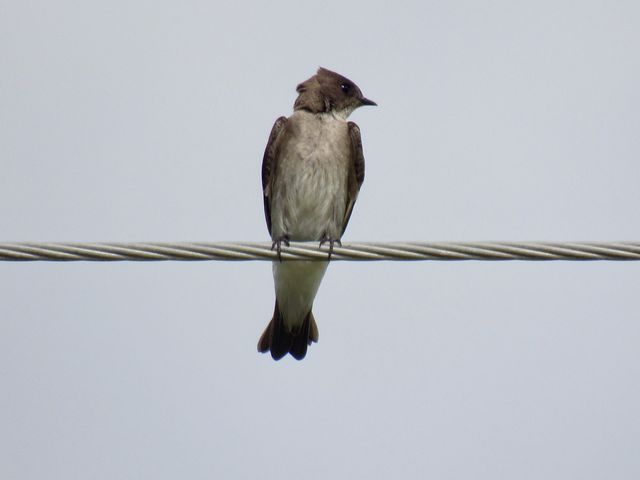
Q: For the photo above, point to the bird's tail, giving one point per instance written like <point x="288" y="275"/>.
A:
<point x="280" y="340"/>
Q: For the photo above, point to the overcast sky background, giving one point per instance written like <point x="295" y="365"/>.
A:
<point x="146" y="121"/>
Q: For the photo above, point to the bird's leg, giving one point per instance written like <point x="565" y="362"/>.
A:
<point x="277" y="244"/>
<point x="331" y="242"/>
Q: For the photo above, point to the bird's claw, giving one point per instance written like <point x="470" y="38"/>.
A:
<point x="277" y="244"/>
<point x="331" y="242"/>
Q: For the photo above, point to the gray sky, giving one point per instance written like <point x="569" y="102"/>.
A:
<point x="133" y="120"/>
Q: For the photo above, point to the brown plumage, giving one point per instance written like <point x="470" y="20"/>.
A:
<point x="312" y="170"/>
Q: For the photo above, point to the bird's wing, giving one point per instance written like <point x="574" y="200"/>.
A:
<point x="356" y="172"/>
<point x="269" y="166"/>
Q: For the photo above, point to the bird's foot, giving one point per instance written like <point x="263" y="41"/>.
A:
<point x="277" y="245"/>
<point x="331" y="242"/>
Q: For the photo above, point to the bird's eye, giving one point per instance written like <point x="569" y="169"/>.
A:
<point x="345" y="87"/>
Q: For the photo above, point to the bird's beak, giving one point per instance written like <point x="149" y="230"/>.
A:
<point x="366" y="101"/>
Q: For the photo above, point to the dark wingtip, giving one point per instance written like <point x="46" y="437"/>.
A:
<point x="300" y="342"/>
<point x="277" y="340"/>
<point x="277" y="355"/>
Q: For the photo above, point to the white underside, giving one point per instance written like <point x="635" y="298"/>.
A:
<point x="308" y="203"/>
<point x="296" y="285"/>
<point x="309" y="196"/>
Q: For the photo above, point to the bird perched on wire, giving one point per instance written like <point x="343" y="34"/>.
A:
<point x="312" y="170"/>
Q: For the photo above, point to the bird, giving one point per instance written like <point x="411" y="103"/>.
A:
<point x="312" y="171"/>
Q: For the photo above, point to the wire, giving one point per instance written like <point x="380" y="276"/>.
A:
<point x="113" y="252"/>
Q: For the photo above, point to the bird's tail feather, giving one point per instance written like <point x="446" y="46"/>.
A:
<point x="279" y="340"/>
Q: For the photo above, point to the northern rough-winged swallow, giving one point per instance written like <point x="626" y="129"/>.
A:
<point x="312" y="170"/>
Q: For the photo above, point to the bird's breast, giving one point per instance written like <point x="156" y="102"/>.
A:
<point x="310" y="188"/>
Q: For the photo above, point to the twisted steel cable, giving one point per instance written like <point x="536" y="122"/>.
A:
<point x="366" y="251"/>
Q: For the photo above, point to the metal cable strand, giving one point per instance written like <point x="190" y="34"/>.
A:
<point x="111" y="252"/>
